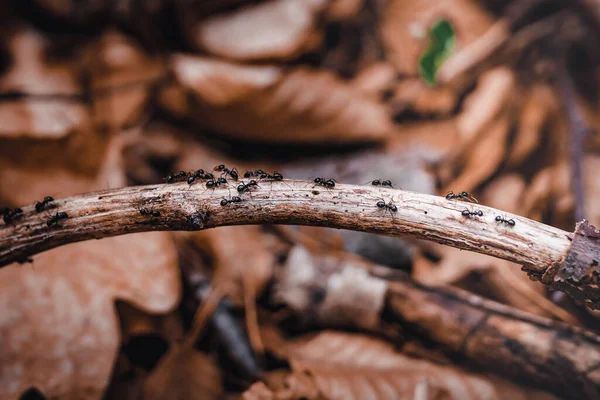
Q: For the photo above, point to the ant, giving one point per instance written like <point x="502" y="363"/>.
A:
<point x="178" y="177"/>
<point x="233" y="172"/>
<point x="467" y="213"/>
<point x="212" y="184"/>
<point x="54" y="219"/>
<point x="11" y="214"/>
<point x="148" y="212"/>
<point x="39" y="205"/>
<point x="461" y="196"/>
<point x="510" y="222"/>
<point x="234" y="199"/>
<point x="257" y="173"/>
<point x="390" y="206"/>
<point x="275" y="177"/>
<point x="379" y="182"/>
<point x="199" y="174"/>
<point x="329" y="183"/>
<point x="245" y="186"/>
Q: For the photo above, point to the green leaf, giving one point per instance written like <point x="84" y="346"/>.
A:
<point x="441" y="43"/>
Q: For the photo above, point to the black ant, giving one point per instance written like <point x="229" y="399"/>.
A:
<point x="148" y="212"/>
<point x="510" y="222"/>
<point x="379" y="182"/>
<point x="257" y="173"/>
<point x="54" y="219"/>
<point x="39" y="205"/>
<point x="234" y="199"/>
<point x="390" y="206"/>
<point x="275" y="177"/>
<point x="233" y="172"/>
<point x="461" y="196"/>
<point x="212" y="184"/>
<point x="11" y="214"/>
<point x="245" y="186"/>
<point x="199" y="174"/>
<point x="329" y="183"/>
<point x="467" y="213"/>
<point x="178" y="177"/>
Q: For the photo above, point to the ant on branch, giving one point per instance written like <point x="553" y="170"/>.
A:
<point x="213" y="184"/>
<point x="233" y="172"/>
<point x="510" y="222"/>
<point x="178" y="177"/>
<point x="197" y="175"/>
<point x="10" y="214"/>
<point x="39" y="205"/>
<point x="148" y="212"/>
<point x="389" y="206"/>
<point x="329" y="183"/>
<point x="275" y="177"/>
<point x="234" y="199"/>
<point x="246" y="186"/>
<point x="469" y="214"/>
<point x="466" y="196"/>
<point x="54" y="219"/>
<point x="251" y="174"/>
<point x="379" y="182"/>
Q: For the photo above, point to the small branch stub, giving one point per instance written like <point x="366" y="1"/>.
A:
<point x="578" y="275"/>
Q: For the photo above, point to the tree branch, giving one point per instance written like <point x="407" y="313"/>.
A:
<point x="537" y="247"/>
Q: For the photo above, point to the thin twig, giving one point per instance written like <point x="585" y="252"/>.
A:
<point x="182" y="207"/>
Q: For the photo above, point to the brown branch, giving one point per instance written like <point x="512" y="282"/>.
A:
<point x="539" y="248"/>
<point x="551" y="355"/>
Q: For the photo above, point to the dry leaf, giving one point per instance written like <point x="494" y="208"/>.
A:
<point x="405" y="24"/>
<point x="335" y="365"/>
<point x="184" y="373"/>
<point x="61" y="334"/>
<point x="31" y="72"/>
<point x="269" y="30"/>
<point x="540" y="106"/>
<point x="122" y="78"/>
<point x="257" y="104"/>
<point x="485" y="103"/>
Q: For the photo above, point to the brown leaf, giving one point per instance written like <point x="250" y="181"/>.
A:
<point x="405" y="24"/>
<point x="258" y="103"/>
<point x="32" y="73"/>
<point x="61" y="334"/>
<point x="269" y="30"/>
<point x="184" y="373"/>
<point x="337" y="365"/>
<point x="122" y="77"/>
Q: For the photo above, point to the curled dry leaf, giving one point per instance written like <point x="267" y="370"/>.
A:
<point x="485" y="156"/>
<point x="122" y="78"/>
<point x="268" y="30"/>
<point x="31" y="72"/>
<point x="540" y="106"/>
<point x="61" y="334"/>
<point x="405" y="24"/>
<point x="184" y="373"/>
<point x="335" y="365"/>
<point x="485" y="103"/>
<point x="264" y="104"/>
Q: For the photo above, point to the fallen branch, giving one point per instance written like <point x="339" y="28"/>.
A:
<point x="539" y="248"/>
<point x="346" y="291"/>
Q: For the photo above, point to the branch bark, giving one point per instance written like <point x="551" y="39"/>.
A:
<point x="539" y="248"/>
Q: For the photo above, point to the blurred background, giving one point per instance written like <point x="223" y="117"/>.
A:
<point x="497" y="98"/>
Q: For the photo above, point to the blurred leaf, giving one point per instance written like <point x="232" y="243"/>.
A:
<point x="441" y="43"/>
